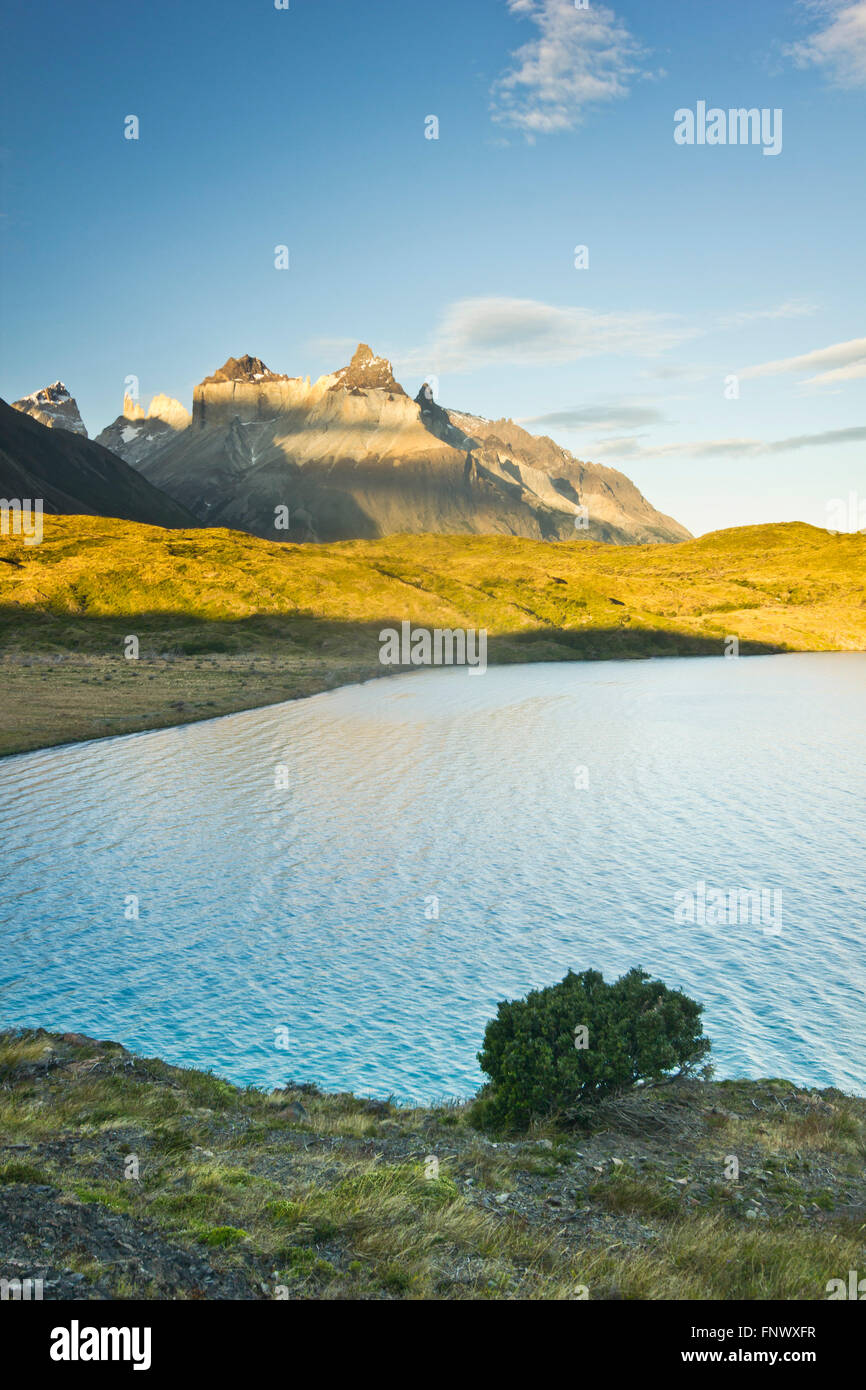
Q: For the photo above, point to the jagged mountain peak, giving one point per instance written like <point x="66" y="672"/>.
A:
<point x="161" y="407"/>
<point x="367" y="372"/>
<point x="54" y="394"/>
<point x="169" y="410"/>
<point x="53" y="406"/>
<point x="244" y="368"/>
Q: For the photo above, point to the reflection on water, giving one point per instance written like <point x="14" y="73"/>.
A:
<point x="372" y="869"/>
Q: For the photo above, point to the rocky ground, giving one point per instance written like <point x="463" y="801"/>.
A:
<point x="122" y="1177"/>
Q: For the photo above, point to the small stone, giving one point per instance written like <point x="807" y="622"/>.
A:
<point x="545" y="1144"/>
<point x="502" y="1197"/>
<point x="751" y="1214"/>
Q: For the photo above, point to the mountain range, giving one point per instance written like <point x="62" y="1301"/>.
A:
<point x="353" y="456"/>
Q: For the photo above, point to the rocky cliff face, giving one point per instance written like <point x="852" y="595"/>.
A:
<point x="53" y="406"/>
<point x="351" y="455"/>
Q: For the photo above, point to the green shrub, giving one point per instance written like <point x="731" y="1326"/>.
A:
<point x="637" y="1029"/>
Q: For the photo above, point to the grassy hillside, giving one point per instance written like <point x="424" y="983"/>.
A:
<point x="239" y="1194"/>
<point x="227" y="621"/>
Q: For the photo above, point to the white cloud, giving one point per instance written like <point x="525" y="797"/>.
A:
<point x="579" y="57"/>
<point x="632" y="447"/>
<point x="839" y="47"/>
<point x="826" y="360"/>
<point x="481" y="332"/>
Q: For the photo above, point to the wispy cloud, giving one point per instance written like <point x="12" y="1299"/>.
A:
<point x="474" y="333"/>
<point x="634" y="448"/>
<point x="579" y="57"/>
<point x="838" y="47"/>
<point x="676" y="371"/>
<point x="832" y="363"/>
<point x="599" y="417"/>
<point x="852" y="372"/>
<point x="791" y="309"/>
<point x="338" y="350"/>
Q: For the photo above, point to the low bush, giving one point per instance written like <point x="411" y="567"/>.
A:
<point x="580" y="1040"/>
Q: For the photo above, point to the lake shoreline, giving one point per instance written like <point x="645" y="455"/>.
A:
<point x="77" y="703"/>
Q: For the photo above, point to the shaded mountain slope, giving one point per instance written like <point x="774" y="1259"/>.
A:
<point x="72" y="474"/>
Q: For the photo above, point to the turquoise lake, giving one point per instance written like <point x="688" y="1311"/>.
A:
<point x="340" y="889"/>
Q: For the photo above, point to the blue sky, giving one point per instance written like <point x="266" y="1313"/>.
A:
<point x="455" y="256"/>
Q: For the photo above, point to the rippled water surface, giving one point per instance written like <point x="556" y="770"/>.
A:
<point x="302" y="907"/>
